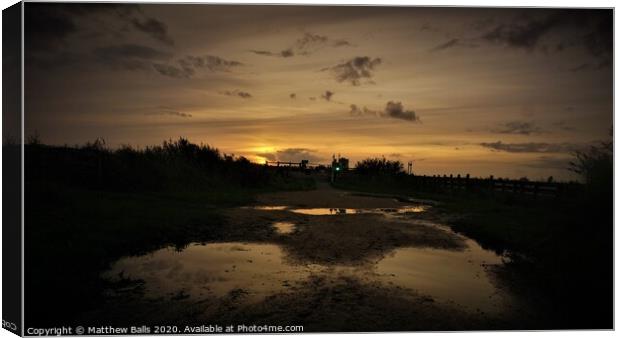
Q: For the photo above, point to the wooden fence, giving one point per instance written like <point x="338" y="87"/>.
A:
<point x="452" y="183"/>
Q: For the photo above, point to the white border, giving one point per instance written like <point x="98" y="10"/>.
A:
<point x="468" y="3"/>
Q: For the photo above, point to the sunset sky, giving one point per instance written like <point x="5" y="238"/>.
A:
<point x="507" y="92"/>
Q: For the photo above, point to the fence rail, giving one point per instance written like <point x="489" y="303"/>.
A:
<point x="455" y="182"/>
<point x="452" y="183"/>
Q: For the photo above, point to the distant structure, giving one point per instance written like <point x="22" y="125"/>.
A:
<point x="410" y="168"/>
<point x="339" y="165"/>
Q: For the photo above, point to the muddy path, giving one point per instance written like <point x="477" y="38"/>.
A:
<point x="328" y="259"/>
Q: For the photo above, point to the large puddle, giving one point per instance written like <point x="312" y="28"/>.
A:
<point x="257" y="270"/>
<point x="342" y="211"/>
<point x="204" y="271"/>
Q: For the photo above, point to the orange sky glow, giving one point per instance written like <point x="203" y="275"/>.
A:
<point x="503" y="92"/>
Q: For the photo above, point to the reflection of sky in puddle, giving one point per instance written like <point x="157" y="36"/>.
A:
<point x="268" y="207"/>
<point x="284" y="228"/>
<point x="261" y="269"/>
<point x="344" y="211"/>
<point x="211" y="270"/>
<point x="449" y="275"/>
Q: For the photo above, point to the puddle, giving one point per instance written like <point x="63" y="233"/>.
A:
<point x="267" y="207"/>
<point x="284" y="228"/>
<point x="341" y="211"/>
<point x="216" y="269"/>
<point x="259" y="270"/>
<point x="459" y="276"/>
<point x="326" y="211"/>
<point x="344" y="211"/>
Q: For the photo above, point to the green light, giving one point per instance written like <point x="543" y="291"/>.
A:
<point x="337" y="168"/>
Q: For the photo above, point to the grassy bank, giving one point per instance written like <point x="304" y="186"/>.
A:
<point x="88" y="206"/>
<point x="561" y="249"/>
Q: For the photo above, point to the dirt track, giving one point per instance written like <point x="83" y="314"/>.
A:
<point x="334" y="264"/>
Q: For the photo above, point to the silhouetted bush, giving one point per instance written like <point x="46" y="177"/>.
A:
<point x="377" y="167"/>
<point x="174" y="165"/>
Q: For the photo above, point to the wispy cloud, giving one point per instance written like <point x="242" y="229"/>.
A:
<point x="153" y="27"/>
<point x="188" y="66"/>
<point x="286" y="53"/>
<point x="308" y="44"/>
<point x="532" y="147"/>
<point x="169" y="112"/>
<point x="453" y="43"/>
<point x="129" y="56"/>
<point x="237" y="93"/>
<point x="517" y="127"/>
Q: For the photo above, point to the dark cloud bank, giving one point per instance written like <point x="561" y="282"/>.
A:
<point x="553" y="31"/>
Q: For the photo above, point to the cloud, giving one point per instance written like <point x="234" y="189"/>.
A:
<point x="187" y="66"/>
<point x="210" y="62"/>
<point x="309" y="39"/>
<point x="591" y="30"/>
<point x="129" y="56"/>
<point x="521" y="34"/>
<point x="532" y="147"/>
<point x="308" y="44"/>
<point x="355" y="70"/>
<point x="341" y="43"/>
<point x="517" y="127"/>
<point x="167" y="111"/>
<point x="392" y="110"/>
<point x="51" y="29"/>
<point x="284" y="53"/>
<point x="48" y="25"/>
<point x="328" y="95"/>
<point x="173" y="71"/>
<point x="238" y="93"/>
<point x="453" y="43"/>
<point x="357" y="111"/>
<point x="287" y="53"/>
<point x="292" y="155"/>
<point x="397" y="111"/>
<point x="153" y="27"/>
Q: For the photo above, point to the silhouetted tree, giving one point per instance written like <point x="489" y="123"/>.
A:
<point x="595" y="166"/>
